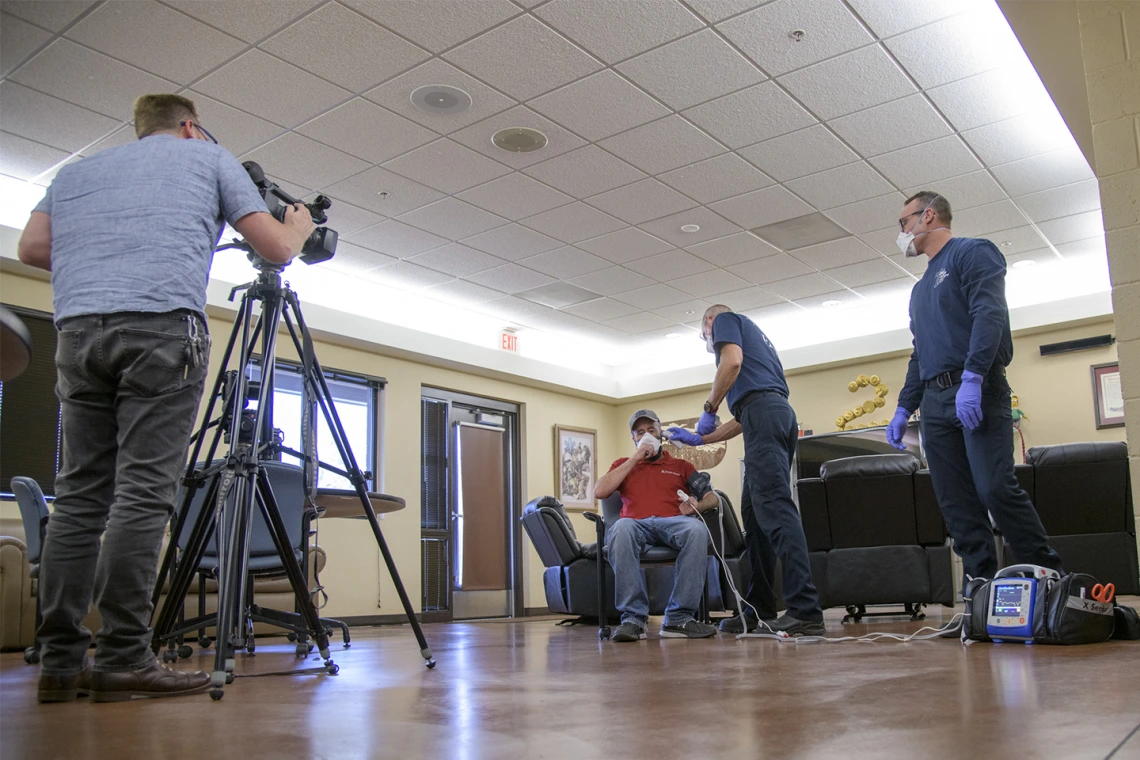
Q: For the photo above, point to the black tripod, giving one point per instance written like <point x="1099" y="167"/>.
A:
<point x="238" y="482"/>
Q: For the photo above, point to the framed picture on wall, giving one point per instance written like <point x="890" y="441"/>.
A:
<point x="1108" y="398"/>
<point x="575" y="466"/>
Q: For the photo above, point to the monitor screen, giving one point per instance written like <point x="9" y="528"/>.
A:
<point x="1007" y="599"/>
<point x="814" y="450"/>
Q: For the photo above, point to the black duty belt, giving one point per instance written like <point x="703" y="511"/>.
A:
<point x="751" y="396"/>
<point x="950" y="379"/>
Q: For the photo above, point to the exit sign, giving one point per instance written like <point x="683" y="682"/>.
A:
<point x="509" y="342"/>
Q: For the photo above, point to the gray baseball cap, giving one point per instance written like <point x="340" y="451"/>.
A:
<point x="643" y="413"/>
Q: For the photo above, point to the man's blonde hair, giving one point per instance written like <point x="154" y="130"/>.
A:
<point x="157" y="113"/>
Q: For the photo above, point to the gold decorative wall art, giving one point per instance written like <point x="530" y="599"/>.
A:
<point x="853" y="419"/>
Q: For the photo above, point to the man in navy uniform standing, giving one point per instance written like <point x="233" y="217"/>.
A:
<point x="962" y="345"/>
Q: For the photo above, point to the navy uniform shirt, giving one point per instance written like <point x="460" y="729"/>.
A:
<point x="958" y="316"/>
<point x="760" y="369"/>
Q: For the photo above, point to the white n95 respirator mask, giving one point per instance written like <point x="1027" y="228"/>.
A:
<point x="650" y="439"/>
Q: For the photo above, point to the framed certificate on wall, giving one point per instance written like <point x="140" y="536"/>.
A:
<point x="1108" y="398"/>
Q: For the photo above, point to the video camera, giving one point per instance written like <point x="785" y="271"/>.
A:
<point x="321" y="245"/>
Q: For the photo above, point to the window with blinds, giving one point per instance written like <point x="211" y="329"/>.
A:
<point x="435" y="533"/>
<point x="29" y="411"/>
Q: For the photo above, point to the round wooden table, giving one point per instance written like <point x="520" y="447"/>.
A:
<point x="15" y="346"/>
<point x="342" y="502"/>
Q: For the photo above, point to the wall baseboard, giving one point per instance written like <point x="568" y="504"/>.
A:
<point x="535" y="611"/>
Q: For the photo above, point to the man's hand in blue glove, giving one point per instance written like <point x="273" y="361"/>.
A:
<point x="707" y="423"/>
<point x="968" y="402"/>
<point x="687" y="437"/>
<point x="896" y="429"/>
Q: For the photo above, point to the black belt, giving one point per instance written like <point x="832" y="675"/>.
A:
<point x="950" y="379"/>
<point x="751" y="396"/>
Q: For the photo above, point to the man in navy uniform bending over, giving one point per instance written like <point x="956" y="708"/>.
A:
<point x="962" y="346"/>
<point x="750" y="377"/>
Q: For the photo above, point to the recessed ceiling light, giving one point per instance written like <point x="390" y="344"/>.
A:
<point x="690" y="312"/>
<point x="673" y="335"/>
<point x="519" y="139"/>
<point x="1023" y="263"/>
<point x="690" y="227"/>
<point x="1006" y="244"/>
<point x="830" y="303"/>
<point x="440" y="99"/>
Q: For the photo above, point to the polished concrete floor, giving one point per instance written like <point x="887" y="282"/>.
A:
<point x="534" y="690"/>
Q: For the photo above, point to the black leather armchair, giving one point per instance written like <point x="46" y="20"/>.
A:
<point x="570" y="578"/>
<point x="34" y="515"/>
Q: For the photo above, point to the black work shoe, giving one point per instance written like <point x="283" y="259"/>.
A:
<point x="795" y="627"/>
<point x="629" y="632"/>
<point x="734" y="624"/>
<point x="65" y="688"/>
<point x="694" y="629"/>
<point x="152" y="681"/>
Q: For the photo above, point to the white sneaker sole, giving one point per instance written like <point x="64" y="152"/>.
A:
<point x="679" y="635"/>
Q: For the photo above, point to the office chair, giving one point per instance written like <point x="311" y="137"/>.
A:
<point x="34" y="514"/>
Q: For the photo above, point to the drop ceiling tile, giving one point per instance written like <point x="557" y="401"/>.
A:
<point x="615" y="31"/>
<point x="761" y="207"/>
<point x="1019" y="240"/>
<point x="840" y="186"/>
<point x="915" y="265"/>
<point x="352" y="259"/>
<point x="895" y="289"/>
<point x="663" y="145"/>
<point x="18" y="40"/>
<point x="478" y="136"/>
<point x="641" y="201"/>
<point x="966" y="191"/>
<point x="557" y="322"/>
<point x="53" y="16"/>
<point x="24" y="159"/>
<point x="237" y="131"/>
<point x="883" y="240"/>
<point x="107" y="87"/>
<point x="682" y="311"/>
<point x="845" y="298"/>
<point x="344" y="47"/>
<point x="868" y="215"/>
<point x="625" y="245"/>
<point x="712" y="226"/>
<point x="718" y="10"/>
<point x="457" y="260"/>
<point x="770" y="269"/>
<point x="600" y="332"/>
<point x="585" y="172"/>
<point x="993" y="96"/>
<point x="611" y="281"/>
<point x="447" y="166"/>
<point x="651" y="296"/>
<point x="890" y="18"/>
<point x="396" y="95"/>
<point x="253" y="81"/>
<point x="749" y="116"/>
<point x="898" y="124"/>
<point x="564" y="263"/>
<point x="511" y="308"/>
<point x="797" y="154"/>
<point x="122" y="136"/>
<point x="805" y="286"/>
<point x="780" y="311"/>
<point x="1067" y="229"/>
<point x="977" y="221"/>
<point x="746" y="298"/>
<point x="405" y="276"/>
<point x="1054" y="169"/>
<point x="461" y="293"/>
<point x="1093" y="248"/>
<point x="452" y="218"/>
<point x="364" y="189"/>
<point x="956" y="47"/>
<point x="734" y="249"/>
<point x="510" y="278"/>
<point x="879" y="269"/>
<point x="49" y="120"/>
<point x="156" y="39"/>
<point x="763" y="34"/>
<point x="367" y="131"/>
<point x="926" y="163"/>
<point x="671" y="265"/>
<point x="436" y="25"/>
<point x="601" y="309"/>
<point x="835" y="253"/>
<point x="512" y="242"/>
<point x="853" y="81"/>
<point x="600" y="105"/>
<point x="692" y="70"/>
<point x="1019" y="137"/>
<point x="396" y="239"/>
<point x="250" y="20"/>
<point x="572" y="223"/>
<point x="709" y="283"/>
<point x="292" y="188"/>
<point x="347" y="219"/>
<point x="515" y="196"/>
<point x="306" y="162"/>
<point x="1061" y="201"/>
<point x="716" y="178"/>
<point x="523" y="58"/>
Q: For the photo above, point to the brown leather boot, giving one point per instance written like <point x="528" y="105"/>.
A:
<point x="65" y="688"/>
<point x="152" y="681"/>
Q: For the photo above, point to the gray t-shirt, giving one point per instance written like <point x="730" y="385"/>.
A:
<point x="133" y="228"/>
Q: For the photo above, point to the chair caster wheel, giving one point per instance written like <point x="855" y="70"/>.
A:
<point x="229" y="677"/>
<point x="333" y="668"/>
<point x="31" y="655"/>
<point x="169" y="655"/>
<point x="216" y="693"/>
<point x="291" y="636"/>
<point x="204" y="642"/>
<point x="185" y="651"/>
<point x="304" y="649"/>
<point x="430" y="664"/>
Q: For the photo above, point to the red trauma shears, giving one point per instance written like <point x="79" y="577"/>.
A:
<point x="1103" y="592"/>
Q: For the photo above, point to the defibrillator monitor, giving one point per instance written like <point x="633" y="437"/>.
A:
<point x="1011" y="608"/>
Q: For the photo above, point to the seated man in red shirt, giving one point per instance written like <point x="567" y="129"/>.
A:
<point x="652" y="514"/>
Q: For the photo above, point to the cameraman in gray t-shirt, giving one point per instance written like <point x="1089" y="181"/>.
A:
<point x="128" y="236"/>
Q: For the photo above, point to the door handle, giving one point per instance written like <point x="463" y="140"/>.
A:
<point x="456" y="516"/>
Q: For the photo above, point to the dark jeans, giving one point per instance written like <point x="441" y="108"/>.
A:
<point x="770" y="435"/>
<point x="761" y="561"/>
<point x="129" y="398"/>
<point x="972" y="472"/>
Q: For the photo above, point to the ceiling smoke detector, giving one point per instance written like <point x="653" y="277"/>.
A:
<point x="519" y="139"/>
<point x="440" y="99"/>
<point x="797" y="35"/>
<point x="690" y="227"/>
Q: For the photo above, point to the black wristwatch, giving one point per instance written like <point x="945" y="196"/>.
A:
<point x="710" y="409"/>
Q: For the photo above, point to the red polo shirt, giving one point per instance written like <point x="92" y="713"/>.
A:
<point x="650" y="488"/>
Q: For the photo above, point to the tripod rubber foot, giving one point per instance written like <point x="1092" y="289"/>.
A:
<point x="332" y="667"/>
<point x="426" y="653"/>
<point x="216" y="694"/>
<point x="430" y="664"/>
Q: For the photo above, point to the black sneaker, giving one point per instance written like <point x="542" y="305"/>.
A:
<point x="796" y="627"/>
<point x="629" y="632"/>
<point x="694" y="629"/>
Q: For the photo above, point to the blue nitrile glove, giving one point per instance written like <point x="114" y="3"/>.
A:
<point x="707" y="423"/>
<point x="896" y="428"/>
<point x="968" y="402"/>
<point x="687" y="437"/>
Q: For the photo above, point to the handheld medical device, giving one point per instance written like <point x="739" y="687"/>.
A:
<point x="1012" y="602"/>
